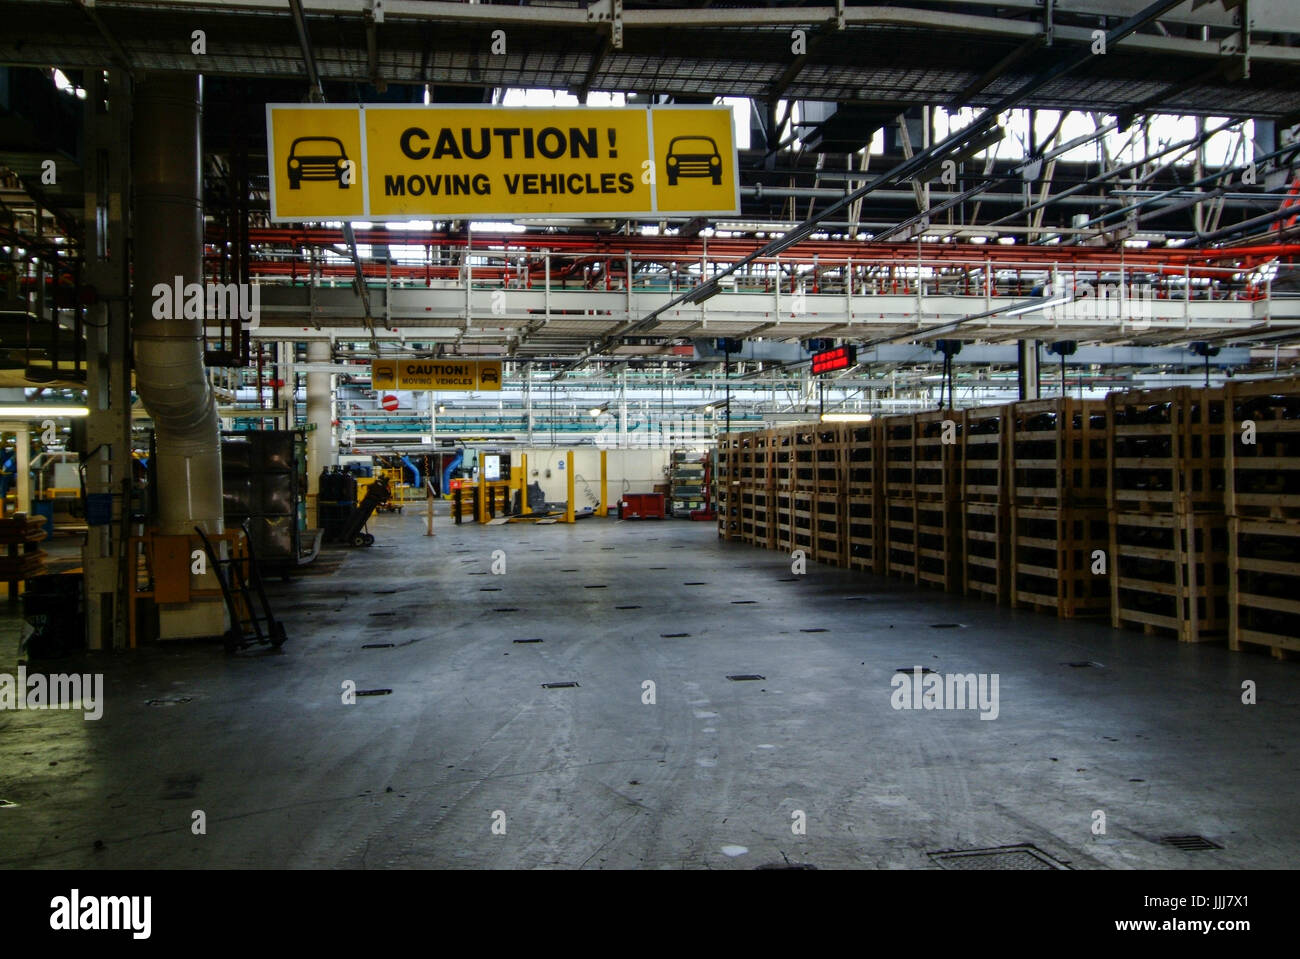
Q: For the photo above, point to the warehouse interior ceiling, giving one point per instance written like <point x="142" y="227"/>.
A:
<point x="1153" y="183"/>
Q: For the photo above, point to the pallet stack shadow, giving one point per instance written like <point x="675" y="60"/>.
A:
<point x="1262" y="501"/>
<point x="1165" y="492"/>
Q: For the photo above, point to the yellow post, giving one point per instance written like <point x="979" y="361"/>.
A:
<point x="482" y="489"/>
<point x="523" y="484"/>
<point x="428" y="500"/>
<point x="603" y="508"/>
<point x="568" y="468"/>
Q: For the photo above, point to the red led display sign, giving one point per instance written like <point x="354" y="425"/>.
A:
<point x="840" y="358"/>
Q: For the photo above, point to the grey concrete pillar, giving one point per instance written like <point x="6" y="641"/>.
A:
<point x="1027" y="369"/>
<point x="320" y="446"/>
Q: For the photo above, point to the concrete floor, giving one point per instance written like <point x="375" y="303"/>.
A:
<point x="590" y="777"/>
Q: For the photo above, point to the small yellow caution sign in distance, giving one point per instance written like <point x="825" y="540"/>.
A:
<point x="440" y="374"/>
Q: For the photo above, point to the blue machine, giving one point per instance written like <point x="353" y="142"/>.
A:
<point x="450" y="468"/>
<point x="415" y="471"/>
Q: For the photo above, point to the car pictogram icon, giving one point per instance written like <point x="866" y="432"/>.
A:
<point x="694" y="156"/>
<point x="317" y="158"/>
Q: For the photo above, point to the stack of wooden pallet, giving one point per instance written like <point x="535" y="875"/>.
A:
<point x="727" y="484"/>
<point x="1059" y="529"/>
<point x="1262" y="501"/>
<point x="922" y="465"/>
<point x="1168" y="534"/>
<point x="829" y="501"/>
<point x="864" y="497"/>
<point x="22" y="559"/>
<point x="1174" y="509"/>
<point x="986" y="503"/>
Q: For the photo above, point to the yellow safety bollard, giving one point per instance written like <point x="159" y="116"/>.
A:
<point x="603" y="508"/>
<point x="523" y="485"/>
<point x="482" y="489"/>
<point x="568" y="509"/>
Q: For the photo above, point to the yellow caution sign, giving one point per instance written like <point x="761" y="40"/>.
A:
<point x="463" y="375"/>
<point x="315" y="157"/>
<point x="393" y="162"/>
<point x="696" y="160"/>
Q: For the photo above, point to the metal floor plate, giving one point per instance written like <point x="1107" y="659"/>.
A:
<point x="1018" y="858"/>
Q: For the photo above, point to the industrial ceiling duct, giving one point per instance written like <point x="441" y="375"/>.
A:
<point x="170" y="378"/>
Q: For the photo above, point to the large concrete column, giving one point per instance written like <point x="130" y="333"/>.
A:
<point x="166" y="166"/>
<point x="1027" y="368"/>
<point x="320" y="448"/>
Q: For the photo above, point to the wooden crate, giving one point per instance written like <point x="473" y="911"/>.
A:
<point x="921" y="455"/>
<point x="1057" y="452"/>
<point x="830" y="541"/>
<point x="897" y="452"/>
<point x="936" y="455"/>
<point x="761" y="525"/>
<point x="863" y="456"/>
<point x="1169" y="572"/>
<point x="781" y="516"/>
<point x="1167" y="451"/>
<point x="1052" y="550"/>
<point x="802" y="503"/>
<point x="985" y="455"/>
<point x="938" y="544"/>
<point x="726" y="485"/>
<point x="803" y="456"/>
<point x="865" y="532"/>
<point x="756" y="463"/>
<point x="1264" y="475"/>
<point x="830" y="459"/>
<point x="1264" y="585"/>
<point x="986" y="550"/>
<point x="900" y="538"/>
<point x="781" y="459"/>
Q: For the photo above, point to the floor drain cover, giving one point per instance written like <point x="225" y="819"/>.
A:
<point x="695" y="584"/>
<point x="489" y="589"/>
<point x="596" y="586"/>
<point x="568" y="571"/>
<point x="627" y="607"/>
<point x="378" y="646"/>
<point x="505" y="609"/>
<point x="558" y="685"/>
<point x="374" y="692"/>
<point x="912" y="669"/>
<point x="1190" y="843"/>
<point x="1084" y="664"/>
<point x="815" y="629"/>
<point x="527" y="640"/>
<point x="947" y="625"/>
<point x="658" y="567"/>
<point x="387" y="612"/>
<point x="789" y="579"/>
<point x="674" y="635"/>
<point x="746" y="677"/>
<point x="1019" y="858"/>
<point x="744" y="602"/>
